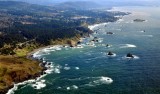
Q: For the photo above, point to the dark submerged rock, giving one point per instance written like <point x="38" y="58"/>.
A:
<point x="95" y="39"/>
<point x="107" y="45"/>
<point x="49" y="63"/>
<point x="110" y="33"/>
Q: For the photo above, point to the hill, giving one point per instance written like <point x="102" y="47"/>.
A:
<point x="78" y="5"/>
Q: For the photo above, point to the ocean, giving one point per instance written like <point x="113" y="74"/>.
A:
<point x="88" y="69"/>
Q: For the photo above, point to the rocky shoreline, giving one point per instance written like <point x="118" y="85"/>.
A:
<point x="42" y="64"/>
<point x="4" y="91"/>
<point x="71" y="42"/>
<point x="19" y="69"/>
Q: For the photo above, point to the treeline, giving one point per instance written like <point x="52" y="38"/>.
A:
<point x="43" y="24"/>
<point x="42" y="33"/>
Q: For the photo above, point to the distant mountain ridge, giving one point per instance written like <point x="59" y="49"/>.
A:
<point x="21" y="6"/>
<point x="78" y="5"/>
<point x="101" y="2"/>
<point x="43" y="2"/>
<point x="63" y="5"/>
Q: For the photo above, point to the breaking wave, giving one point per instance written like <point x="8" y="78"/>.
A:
<point x="99" y="81"/>
<point x="128" y="46"/>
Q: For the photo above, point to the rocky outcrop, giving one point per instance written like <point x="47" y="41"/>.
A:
<point x="95" y="39"/>
<point x="17" y="77"/>
<point x="110" y="53"/>
<point x="16" y="70"/>
<point x="72" y="43"/>
<point x="129" y="55"/>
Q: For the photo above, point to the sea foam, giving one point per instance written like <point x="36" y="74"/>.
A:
<point x="39" y="85"/>
<point x="67" y="68"/>
<point x="128" y="46"/>
<point x="99" y="81"/>
<point x="92" y="27"/>
<point x="103" y="80"/>
<point x="73" y="87"/>
<point x="114" y="55"/>
<point x="15" y="87"/>
<point x="77" y="68"/>
<point x="51" y="68"/>
<point x="147" y="35"/>
<point x="134" y="57"/>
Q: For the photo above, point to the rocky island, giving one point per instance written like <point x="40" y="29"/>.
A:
<point x="139" y="20"/>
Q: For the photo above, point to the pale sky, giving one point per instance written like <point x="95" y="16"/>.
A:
<point x="130" y="2"/>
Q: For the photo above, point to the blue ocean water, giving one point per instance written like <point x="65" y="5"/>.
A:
<point x="89" y="70"/>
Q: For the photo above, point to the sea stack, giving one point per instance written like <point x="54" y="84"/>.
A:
<point x="129" y="55"/>
<point x="110" y="53"/>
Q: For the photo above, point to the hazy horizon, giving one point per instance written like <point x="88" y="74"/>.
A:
<point x="107" y="2"/>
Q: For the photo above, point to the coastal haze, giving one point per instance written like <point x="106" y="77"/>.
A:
<point x="79" y="47"/>
<point x="102" y="2"/>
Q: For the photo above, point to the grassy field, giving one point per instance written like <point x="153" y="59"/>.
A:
<point x="16" y="69"/>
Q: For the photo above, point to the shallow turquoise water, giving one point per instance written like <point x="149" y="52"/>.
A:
<point x="81" y="70"/>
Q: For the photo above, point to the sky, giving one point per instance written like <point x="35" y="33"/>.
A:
<point x="116" y="2"/>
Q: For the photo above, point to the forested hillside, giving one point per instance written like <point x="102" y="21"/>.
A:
<point x="24" y="25"/>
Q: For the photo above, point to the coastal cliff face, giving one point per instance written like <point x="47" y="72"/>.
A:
<point x="16" y="69"/>
<point x="67" y="41"/>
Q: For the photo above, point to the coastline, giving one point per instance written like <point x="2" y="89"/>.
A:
<point x="30" y="56"/>
<point x="118" y="47"/>
<point x="20" y="69"/>
<point x="45" y="65"/>
<point x="37" y="77"/>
